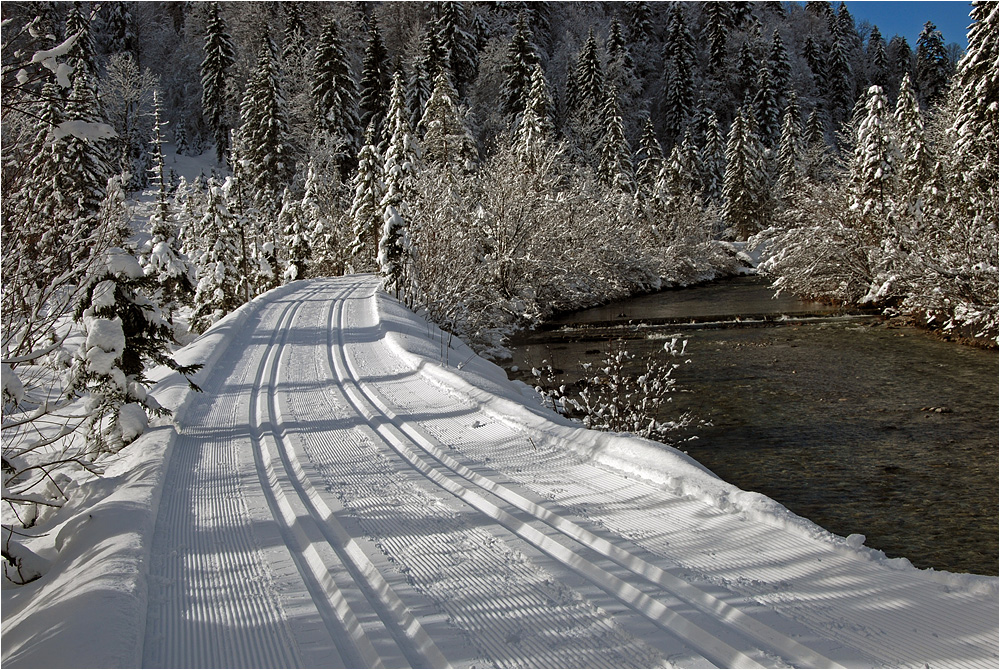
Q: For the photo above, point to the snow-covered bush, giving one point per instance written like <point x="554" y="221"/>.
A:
<point x="624" y="393"/>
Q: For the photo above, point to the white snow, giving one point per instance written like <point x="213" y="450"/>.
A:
<point x="104" y="345"/>
<point x="85" y="130"/>
<point x="356" y="487"/>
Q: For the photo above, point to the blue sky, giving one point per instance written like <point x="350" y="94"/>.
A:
<point x="907" y="19"/>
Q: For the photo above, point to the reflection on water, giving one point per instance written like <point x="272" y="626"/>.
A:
<point x="859" y="426"/>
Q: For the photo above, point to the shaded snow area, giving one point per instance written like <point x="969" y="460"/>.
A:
<point x="353" y="488"/>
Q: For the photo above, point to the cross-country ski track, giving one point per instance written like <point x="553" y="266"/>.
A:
<point x="354" y="488"/>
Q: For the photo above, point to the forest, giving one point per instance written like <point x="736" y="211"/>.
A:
<point x="494" y="163"/>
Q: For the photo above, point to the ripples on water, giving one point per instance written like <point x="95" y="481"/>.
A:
<point x="859" y="426"/>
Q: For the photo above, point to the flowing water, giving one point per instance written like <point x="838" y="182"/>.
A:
<point x="856" y="424"/>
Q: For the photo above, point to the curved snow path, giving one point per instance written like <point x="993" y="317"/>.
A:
<point x="350" y="492"/>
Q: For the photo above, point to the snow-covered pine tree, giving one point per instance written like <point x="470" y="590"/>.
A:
<point x="119" y="34"/>
<point x="839" y="82"/>
<point x="266" y="157"/>
<point x="220" y="56"/>
<point x="334" y="89"/>
<point x="781" y="67"/>
<point x="589" y="96"/>
<point x="125" y="332"/>
<point x="814" y="57"/>
<point x="649" y="159"/>
<point x="745" y="179"/>
<point x="873" y="171"/>
<point x="366" y="207"/>
<point x="713" y="161"/>
<point x="171" y="270"/>
<point x="536" y="131"/>
<point x="916" y="162"/>
<point x="222" y="269"/>
<point x="790" y="152"/>
<point x="82" y="53"/>
<point x="933" y="68"/>
<point x="615" y="168"/>
<point x="374" y="87"/>
<point x="878" y="61"/>
<point x="402" y="153"/>
<point x="457" y="43"/>
<point x="425" y="69"/>
<point x="766" y="109"/>
<point x="446" y="139"/>
<point x="617" y="47"/>
<point x="679" y="61"/>
<point x="395" y="257"/>
<point x="718" y="19"/>
<point x="294" y="227"/>
<point x="517" y="70"/>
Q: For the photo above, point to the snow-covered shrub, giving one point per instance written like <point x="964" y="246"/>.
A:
<point x="624" y="393"/>
<point x="124" y="331"/>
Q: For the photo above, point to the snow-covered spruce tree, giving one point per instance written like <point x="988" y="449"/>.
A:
<point x="517" y="69"/>
<point x="873" y="171"/>
<point x="395" y="257"/>
<point x="790" y="172"/>
<point x="839" y="80"/>
<point x="82" y="54"/>
<point x="223" y="271"/>
<point x="446" y="139"/>
<point x="766" y="110"/>
<point x="171" y="270"/>
<point x="420" y="84"/>
<point x="125" y="332"/>
<point x="615" y="168"/>
<point x="745" y="179"/>
<point x="374" y="88"/>
<point x="933" y="68"/>
<point x="713" y="161"/>
<point x="220" y="56"/>
<point x="294" y="227"/>
<point x="535" y="131"/>
<point x="402" y="155"/>
<point x="335" y="93"/>
<point x="589" y="98"/>
<point x="878" y="60"/>
<point x="119" y="34"/>
<point x="718" y="20"/>
<point x="366" y="207"/>
<point x="457" y="43"/>
<point x="649" y="159"/>
<point x="916" y="162"/>
<point x="679" y="61"/>
<point x="266" y="159"/>
<point x="780" y="66"/>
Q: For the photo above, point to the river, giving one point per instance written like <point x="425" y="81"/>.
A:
<point x="860" y="425"/>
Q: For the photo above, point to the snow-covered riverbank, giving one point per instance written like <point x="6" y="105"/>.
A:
<point x="355" y="488"/>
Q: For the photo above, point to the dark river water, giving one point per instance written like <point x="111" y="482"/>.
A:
<point x="858" y="425"/>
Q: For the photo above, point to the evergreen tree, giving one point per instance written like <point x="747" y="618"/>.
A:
<point x="172" y="271"/>
<point x="790" y="151"/>
<point x="878" y="61"/>
<point x="713" y="161"/>
<point x="745" y="180"/>
<point x="421" y="82"/>
<point x="125" y="332"/>
<point x="446" y="140"/>
<point x="296" y="32"/>
<point x="395" y="256"/>
<point x="840" y="81"/>
<point x="781" y="68"/>
<point x="222" y="267"/>
<point x="374" y="98"/>
<point x="766" y="110"/>
<point x="334" y="89"/>
<point x="718" y="20"/>
<point x="402" y="154"/>
<point x="590" y="88"/>
<point x="82" y="53"/>
<point x="813" y="54"/>
<point x="933" y="69"/>
<point x="615" y="168"/>
<point x="119" y="35"/>
<point x="679" y="59"/>
<point x="616" y="46"/>
<point x="536" y="130"/>
<point x="640" y="24"/>
<point x="649" y="158"/>
<point x="915" y="160"/>
<point x="266" y="156"/>
<point x="295" y="232"/>
<point x="220" y="56"/>
<point x="517" y="69"/>
<point x="458" y="45"/>
<point x="366" y="207"/>
<point x="873" y="170"/>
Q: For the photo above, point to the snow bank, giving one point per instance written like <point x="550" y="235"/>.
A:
<point x="486" y="385"/>
<point x="101" y="539"/>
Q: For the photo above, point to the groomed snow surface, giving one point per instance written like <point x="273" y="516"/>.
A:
<point x="354" y="488"/>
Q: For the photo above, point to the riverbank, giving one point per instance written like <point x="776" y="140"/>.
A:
<point x="831" y="414"/>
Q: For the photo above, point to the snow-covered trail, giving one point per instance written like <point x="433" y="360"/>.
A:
<point x="351" y="491"/>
